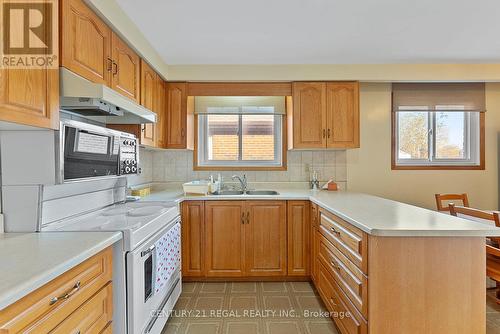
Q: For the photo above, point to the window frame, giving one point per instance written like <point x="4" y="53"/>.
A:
<point x="200" y="163"/>
<point x="434" y="163"/>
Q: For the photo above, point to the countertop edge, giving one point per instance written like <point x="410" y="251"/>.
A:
<point x="25" y="288"/>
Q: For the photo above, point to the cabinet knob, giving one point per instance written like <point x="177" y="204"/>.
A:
<point x="242" y="218"/>
<point x="329" y="133"/>
<point x="324" y="133"/>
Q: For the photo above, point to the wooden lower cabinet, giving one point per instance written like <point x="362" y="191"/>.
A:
<point x="235" y="239"/>
<point x="298" y="238"/>
<point x="224" y="238"/>
<point x="265" y="238"/>
<point x="193" y="235"/>
<point x="87" y="305"/>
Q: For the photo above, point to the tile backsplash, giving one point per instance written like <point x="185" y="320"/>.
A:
<point x="177" y="166"/>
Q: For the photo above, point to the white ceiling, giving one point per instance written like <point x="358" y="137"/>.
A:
<point x="320" y="31"/>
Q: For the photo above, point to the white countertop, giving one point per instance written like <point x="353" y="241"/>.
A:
<point x="374" y="215"/>
<point x="30" y="260"/>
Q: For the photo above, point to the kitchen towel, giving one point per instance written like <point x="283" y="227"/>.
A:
<point x="168" y="256"/>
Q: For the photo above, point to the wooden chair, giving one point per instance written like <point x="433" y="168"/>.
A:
<point x="492" y="244"/>
<point x="442" y="201"/>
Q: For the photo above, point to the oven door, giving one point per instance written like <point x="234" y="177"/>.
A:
<point x="89" y="153"/>
<point x="153" y="280"/>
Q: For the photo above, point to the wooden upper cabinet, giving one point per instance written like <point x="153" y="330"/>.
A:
<point x="265" y="238"/>
<point x="149" y="96"/>
<point x="193" y="233"/>
<point x="224" y="238"/>
<point x="86" y="42"/>
<point x="125" y="77"/>
<point x="161" y="114"/>
<point x="176" y="98"/>
<point x="30" y="97"/>
<point x="309" y="114"/>
<point x="342" y="105"/>
<point x="298" y="238"/>
<point x="325" y="115"/>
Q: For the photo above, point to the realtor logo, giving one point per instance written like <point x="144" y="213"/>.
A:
<point x="29" y="34"/>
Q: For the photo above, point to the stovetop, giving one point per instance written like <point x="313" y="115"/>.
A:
<point x="137" y="220"/>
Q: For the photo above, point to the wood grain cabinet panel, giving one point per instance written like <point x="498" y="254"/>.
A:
<point x="344" y="314"/>
<point x="324" y="115"/>
<point x="85" y="42"/>
<point x="39" y="312"/>
<point x="30" y="97"/>
<point x="161" y="113"/>
<point x="176" y="99"/>
<point x="298" y="238"/>
<point x="350" y="240"/>
<point x="149" y="96"/>
<point x="92" y="317"/>
<point x="265" y="238"/>
<point x="125" y="70"/>
<point x="224" y="238"/>
<point x="309" y="114"/>
<point x="343" y="114"/>
<point x="313" y="249"/>
<point x="193" y="233"/>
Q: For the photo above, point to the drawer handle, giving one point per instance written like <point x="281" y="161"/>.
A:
<point x="66" y="295"/>
<point x="243" y="218"/>
<point x="332" y="301"/>
<point x="335" y="265"/>
<point x="335" y="231"/>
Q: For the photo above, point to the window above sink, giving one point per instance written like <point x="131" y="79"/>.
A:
<point x="240" y="132"/>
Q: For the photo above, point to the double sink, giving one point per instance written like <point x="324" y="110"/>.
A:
<point x="248" y="192"/>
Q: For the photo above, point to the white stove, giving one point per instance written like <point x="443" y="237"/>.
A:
<point x="136" y="220"/>
<point x="147" y="265"/>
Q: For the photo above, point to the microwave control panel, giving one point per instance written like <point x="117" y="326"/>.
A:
<point x="129" y="156"/>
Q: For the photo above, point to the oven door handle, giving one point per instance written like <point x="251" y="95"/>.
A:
<point x="148" y="251"/>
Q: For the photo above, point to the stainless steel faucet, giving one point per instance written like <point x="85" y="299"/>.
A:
<point x="243" y="182"/>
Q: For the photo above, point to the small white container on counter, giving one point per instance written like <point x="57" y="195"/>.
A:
<point x="199" y="187"/>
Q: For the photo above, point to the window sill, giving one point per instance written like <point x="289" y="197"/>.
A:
<point x="247" y="168"/>
<point x="437" y="167"/>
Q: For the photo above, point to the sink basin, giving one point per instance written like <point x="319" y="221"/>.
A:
<point x="262" y="192"/>
<point x="228" y="192"/>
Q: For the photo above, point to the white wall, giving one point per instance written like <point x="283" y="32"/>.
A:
<point x="369" y="168"/>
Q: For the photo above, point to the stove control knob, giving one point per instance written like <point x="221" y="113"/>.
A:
<point x="134" y="163"/>
<point x="125" y="142"/>
<point x="134" y="169"/>
<point x="127" y="170"/>
<point x="127" y="162"/>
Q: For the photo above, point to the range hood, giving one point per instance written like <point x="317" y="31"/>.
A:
<point x="99" y="102"/>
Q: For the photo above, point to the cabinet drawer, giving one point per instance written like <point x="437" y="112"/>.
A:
<point x="351" y="241"/>
<point x="92" y="317"/>
<point x="349" y="277"/>
<point x="40" y="312"/>
<point x="345" y="315"/>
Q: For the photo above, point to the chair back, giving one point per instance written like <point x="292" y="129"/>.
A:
<point x="443" y="201"/>
<point x="477" y="215"/>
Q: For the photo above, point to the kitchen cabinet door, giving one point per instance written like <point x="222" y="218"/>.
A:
<point x="313" y="248"/>
<point x="224" y="238"/>
<point x="176" y="99"/>
<point x="309" y="114"/>
<point x="265" y="238"/>
<point x="342" y="105"/>
<point x="149" y="95"/>
<point x="86" y="42"/>
<point x="125" y="69"/>
<point x="298" y="238"/>
<point x="160" y="109"/>
<point x="30" y="97"/>
<point x="193" y="233"/>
